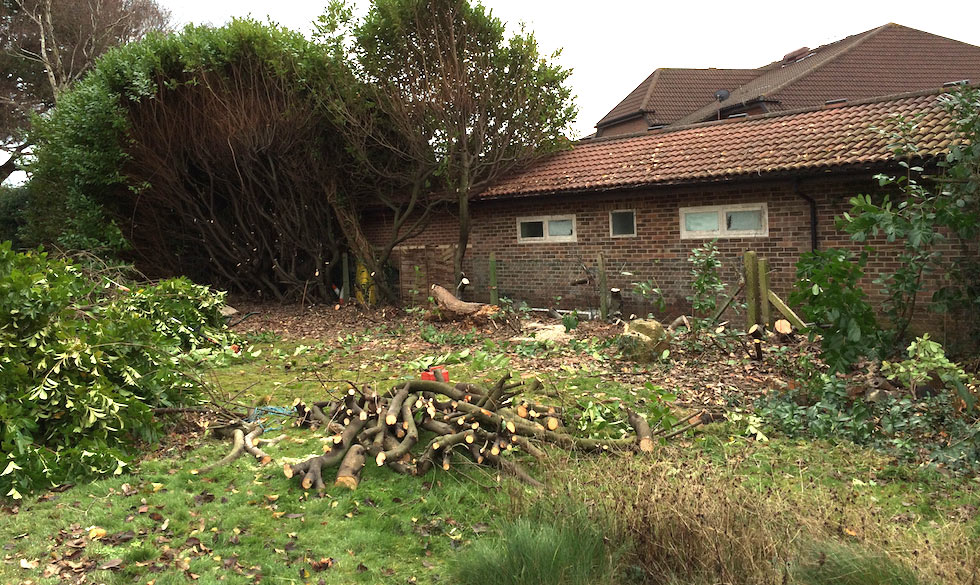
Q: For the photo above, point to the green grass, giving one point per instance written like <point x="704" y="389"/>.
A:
<point x="836" y="564"/>
<point x="389" y="529"/>
<point x="393" y="528"/>
<point x="568" y="551"/>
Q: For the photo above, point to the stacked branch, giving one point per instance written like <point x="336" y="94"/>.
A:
<point x="422" y="424"/>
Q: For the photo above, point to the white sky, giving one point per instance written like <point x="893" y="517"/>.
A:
<point x="613" y="45"/>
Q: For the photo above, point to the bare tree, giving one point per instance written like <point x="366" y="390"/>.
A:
<point x="46" y="45"/>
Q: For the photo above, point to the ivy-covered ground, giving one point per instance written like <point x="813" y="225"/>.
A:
<point x="733" y="500"/>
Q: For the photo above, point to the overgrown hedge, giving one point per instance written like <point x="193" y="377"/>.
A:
<point x="83" y="360"/>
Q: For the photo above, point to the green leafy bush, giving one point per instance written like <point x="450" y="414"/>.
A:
<point x="706" y="282"/>
<point x="927" y="364"/>
<point x="928" y="430"/>
<point x="82" y="363"/>
<point x="13" y="213"/>
<point x="827" y="290"/>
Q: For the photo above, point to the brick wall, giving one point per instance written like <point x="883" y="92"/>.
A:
<point x="539" y="272"/>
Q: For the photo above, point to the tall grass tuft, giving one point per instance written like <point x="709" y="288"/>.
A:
<point x="527" y="552"/>
<point x="840" y="564"/>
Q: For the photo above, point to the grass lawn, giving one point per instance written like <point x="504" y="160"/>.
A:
<point x="168" y="522"/>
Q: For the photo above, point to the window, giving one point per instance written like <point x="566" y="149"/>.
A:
<point x="555" y="228"/>
<point x="622" y="223"/>
<point x="724" y="221"/>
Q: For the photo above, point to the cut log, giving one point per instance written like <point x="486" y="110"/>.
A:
<point x="349" y="474"/>
<point x="452" y="308"/>
<point x="251" y="447"/>
<point x="644" y="440"/>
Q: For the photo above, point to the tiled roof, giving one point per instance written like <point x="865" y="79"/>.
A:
<point x="845" y="135"/>
<point x="883" y="61"/>
<point x="669" y="94"/>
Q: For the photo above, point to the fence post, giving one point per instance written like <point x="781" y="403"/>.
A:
<point x="345" y="266"/>
<point x="751" y="289"/>
<point x="603" y="289"/>
<point x="494" y="294"/>
<point x="765" y="314"/>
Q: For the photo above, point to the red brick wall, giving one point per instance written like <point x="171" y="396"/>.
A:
<point x="539" y="272"/>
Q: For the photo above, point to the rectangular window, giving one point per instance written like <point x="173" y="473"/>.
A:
<point x="724" y="221"/>
<point x="557" y="228"/>
<point x="622" y="223"/>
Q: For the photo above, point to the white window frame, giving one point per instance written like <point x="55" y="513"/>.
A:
<point x="611" y="234"/>
<point x="723" y="231"/>
<point x="546" y="239"/>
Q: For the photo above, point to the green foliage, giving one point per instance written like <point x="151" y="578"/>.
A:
<point x="706" y="282"/>
<point x="827" y="290"/>
<point x="649" y="292"/>
<point x="926" y="430"/>
<point x="831" y="563"/>
<point x="925" y="212"/>
<point x="80" y="367"/>
<point x="13" y="214"/>
<point x="928" y="363"/>
<point x="572" y="551"/>
<point x="570" y="321"/>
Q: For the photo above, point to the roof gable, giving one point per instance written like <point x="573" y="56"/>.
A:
<point x="886" y="60"/>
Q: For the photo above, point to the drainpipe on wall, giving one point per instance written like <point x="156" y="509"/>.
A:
<point x="814" y="239"/>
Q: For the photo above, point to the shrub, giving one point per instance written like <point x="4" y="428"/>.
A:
<point x="13" y="214"/>
<point x="572" y="551"/>
<point x="82" y="363"/>
<point x="706" y="282"/>
<point x="925" y="430"/>
<point x="828" y="292"/>
<point x="928" y="363"/>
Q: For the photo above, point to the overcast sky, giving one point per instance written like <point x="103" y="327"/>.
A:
<point x="613" y="45"/>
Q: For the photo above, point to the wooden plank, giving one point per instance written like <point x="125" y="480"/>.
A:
<point x="783" y="308"/>
<point x="765" y="314"/>
<point x="751" y="289"/>
<point x="603" y="289"/>
<point x="494" y="295"/>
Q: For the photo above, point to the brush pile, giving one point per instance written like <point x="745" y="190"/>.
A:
<point x="422" y="424"/>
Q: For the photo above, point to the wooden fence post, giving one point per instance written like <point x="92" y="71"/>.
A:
<point x="751" y="289"/>
<point x="603" y="289"/>
<point x="345" y="266"/>
<point x="494" y="295"/>
<point x="764" y="314"/>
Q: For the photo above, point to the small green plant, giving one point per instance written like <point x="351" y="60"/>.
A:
<point x="600" y="420"/>
<point x="706" y="283"/>
<point x="843" y="564"/>
<point x="827" y="290"/>
<point x="928" y="363"/>
<point x="570" y="321"/>
<point x="650" y="292"/>
<point x="529" y="552"/>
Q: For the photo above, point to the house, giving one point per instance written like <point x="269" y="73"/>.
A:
<point x="883" y="61"/>
<point x="772" y="182"/>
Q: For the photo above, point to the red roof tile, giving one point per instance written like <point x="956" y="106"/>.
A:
<point x="786" y="141"/>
